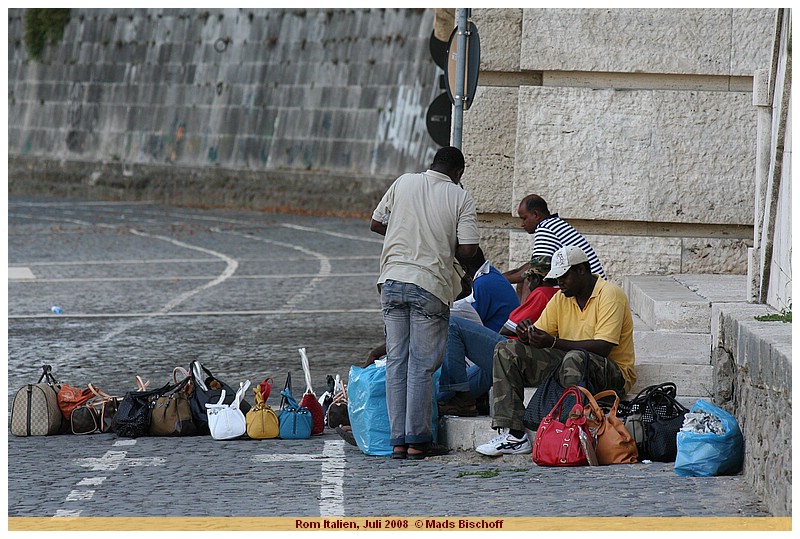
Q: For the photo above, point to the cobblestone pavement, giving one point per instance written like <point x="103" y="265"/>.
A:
<point x="145" y="288"/>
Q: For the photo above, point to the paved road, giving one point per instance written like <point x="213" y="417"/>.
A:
<point x="145" y="288"/>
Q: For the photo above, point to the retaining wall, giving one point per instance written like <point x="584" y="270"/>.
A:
<point x="753" y="380"/>
<point x="325" y="102"/>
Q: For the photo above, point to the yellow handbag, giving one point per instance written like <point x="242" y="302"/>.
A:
<point x="262" y="422"/>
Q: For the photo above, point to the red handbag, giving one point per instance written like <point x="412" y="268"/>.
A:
<point x="559" y="444"/>
<point x="310" y="401"/>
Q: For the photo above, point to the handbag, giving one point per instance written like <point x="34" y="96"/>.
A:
<point x="133" y="415"/>
<point x="337" y="411"/>
<point x="613" y="444"/>
<point x="309" y="399"/>
<point x="548" y="394"/>
<point x="34" y="410"/>
<point x="661" y="433"/>
<point x="171" y="414"/>
<point x="207" y="388"/>
<point x="94" y="416"/>
<point x="262" y="421"/>
<point x="294" y="421"/>
<point x="559" y="443"/>
<point x="70" y="397"/>
<point x="326" y="398"/>
<point x="226" y="421"/>
<point x="635" y="414"/>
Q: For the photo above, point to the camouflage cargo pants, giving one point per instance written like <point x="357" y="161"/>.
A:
<point x="516" y="366"/>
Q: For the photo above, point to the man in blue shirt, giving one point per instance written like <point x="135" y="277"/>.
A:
<point x="492" y="297"/>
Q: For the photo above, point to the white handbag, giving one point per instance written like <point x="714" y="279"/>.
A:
<point x="226" y="421"/>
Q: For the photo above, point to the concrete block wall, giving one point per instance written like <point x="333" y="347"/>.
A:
<point x="637" y="126"/>
<point x="296" y="100"/>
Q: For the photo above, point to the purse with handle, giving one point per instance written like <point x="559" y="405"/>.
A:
<point x="94" y="416"/>
<point x="226" y="421"/>
<point x="613" y="444"/>
<point x="295" y="421"/>
<point x="310" y="401"/>
<point x="262" y="421"/>
<point x="35" y="410"/>
<point x="172" y="413"/>
<point x="207" y="388"/>
<point x="559" y="443"/>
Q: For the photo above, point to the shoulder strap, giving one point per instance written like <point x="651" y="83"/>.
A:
<point x="243" y="386"/>
<point x="47" y="375"/>
<point x="141" y="384"/>
<point x="306" y="369"/>
<point x="180" y="371"/>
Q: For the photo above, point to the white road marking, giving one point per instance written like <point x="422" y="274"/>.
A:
<point x="119" y="443"/>
<point x="281" y="277"/>
<point x="66" y="513"/>
<point x="196" y="313"/>
<point x="332" y="460"/>
<point x="91" y="481"/>
<point x="79" y="495"/>
<point x="305" y="291"/>
<point x="331" y="496"/>
<point x="20" y="273"/>
<point x="335" y="234"/>
<point x="112" y="460"/>
<point x="230" y="268"/>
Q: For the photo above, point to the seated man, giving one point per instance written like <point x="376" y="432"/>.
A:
<point x="459" y="386"/>
<point x="589" y="314"/>
<point x="550" y="233"/>
<point x="492" y="297"/>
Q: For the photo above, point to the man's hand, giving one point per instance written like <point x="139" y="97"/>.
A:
<point x="530" y="334"/>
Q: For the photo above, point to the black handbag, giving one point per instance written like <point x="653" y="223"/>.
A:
<point x="653" y="418"/>
<point x="661" y="443"/>
<point x="207" y="389"/>
<point x="549" y="393"/>
<point x="133" y="415"/>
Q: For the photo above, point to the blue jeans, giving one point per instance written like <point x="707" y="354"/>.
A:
<point x="416" y="332"/>
<point x="477" y="342"/>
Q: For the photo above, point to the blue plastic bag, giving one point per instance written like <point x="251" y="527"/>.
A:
<point x="709" y="454"/>
<point x="366" y="407"/>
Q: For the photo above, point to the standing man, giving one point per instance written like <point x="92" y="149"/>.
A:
<point x="426" y="218"/>
<point x="550" y="233"/>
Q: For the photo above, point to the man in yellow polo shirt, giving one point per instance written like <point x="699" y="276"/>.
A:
<point x="588" y="313"/>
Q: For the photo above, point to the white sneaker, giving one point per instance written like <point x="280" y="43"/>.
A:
<point x="505" y="444"/>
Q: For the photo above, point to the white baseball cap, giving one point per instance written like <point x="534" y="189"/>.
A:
<point x="565" y="258"/>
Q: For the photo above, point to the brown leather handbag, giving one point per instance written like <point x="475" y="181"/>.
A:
<point x="614" y="444"/>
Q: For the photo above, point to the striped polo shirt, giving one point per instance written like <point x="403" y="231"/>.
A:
<point x="553" y="233"/>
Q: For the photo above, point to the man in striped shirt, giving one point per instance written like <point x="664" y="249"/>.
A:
<point x="550" y="233"/>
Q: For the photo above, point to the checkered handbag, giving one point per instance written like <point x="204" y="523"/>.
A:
<point x="34" y="410"/>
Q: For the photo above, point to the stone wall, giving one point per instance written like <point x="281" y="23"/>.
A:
<point x="635" y="125"/>
<point x="328" y="103"/>
<point x="753" y="379"/>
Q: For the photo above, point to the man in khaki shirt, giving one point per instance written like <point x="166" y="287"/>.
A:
<point x="426" y="219"/>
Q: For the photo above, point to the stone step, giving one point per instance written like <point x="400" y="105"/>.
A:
<point x="664" y="304"/>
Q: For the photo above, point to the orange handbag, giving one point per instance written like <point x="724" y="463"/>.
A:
<point x="614" y="444"/>
<point x="70" y="398"/>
